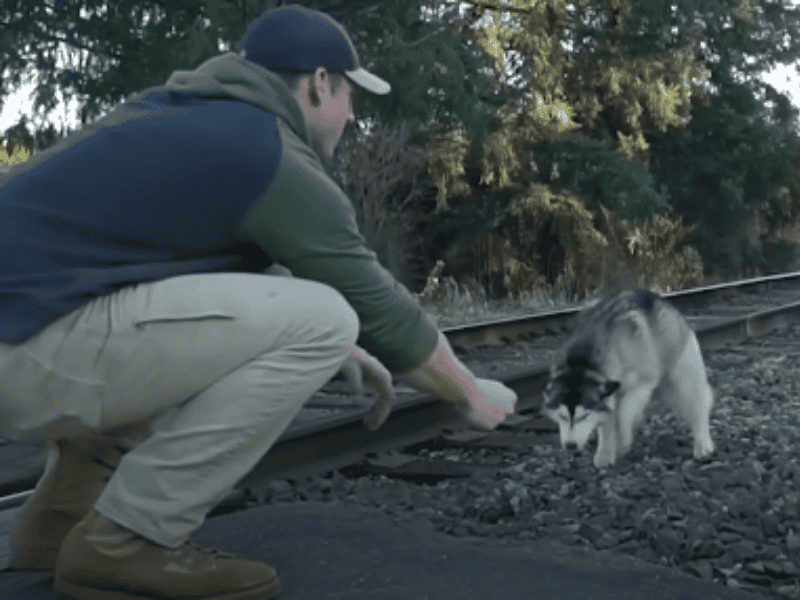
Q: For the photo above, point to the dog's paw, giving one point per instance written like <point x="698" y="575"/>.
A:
<point x="703" y="448"/>
<point x="625" y="440"/>
<point x="604" y="460"/>
<point x="624" y="447"/>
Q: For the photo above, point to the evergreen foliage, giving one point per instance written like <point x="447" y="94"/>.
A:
<point x="627" y="108"/>
<point x="601" y="175"/>
<point x="124" y="55"/>
<point x="734" y="169"/>
<point x="728" y="169"/>
<point x="607" y="81"/>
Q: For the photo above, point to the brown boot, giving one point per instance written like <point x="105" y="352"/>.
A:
<point x="101" y="560"/>
<point x="62" y="497"/>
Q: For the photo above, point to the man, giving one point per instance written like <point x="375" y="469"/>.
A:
<point x="141" y="337"/>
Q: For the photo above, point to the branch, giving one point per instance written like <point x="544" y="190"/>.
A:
<point x="422" y="39"/>
<point x="495" y="6"/>
<point x="45" y="36"/>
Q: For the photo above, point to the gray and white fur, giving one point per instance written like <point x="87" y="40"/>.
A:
<point x="624" y="351"/>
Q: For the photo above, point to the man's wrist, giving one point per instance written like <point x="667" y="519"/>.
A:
<point x="443" y="375"/>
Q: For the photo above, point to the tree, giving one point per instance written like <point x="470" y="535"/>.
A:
<point x="134" y="44"/>
<point x="601" y="84"/>
<point x="602" y="97"/>
<point x="734" y="169"/>
<point x="577" y="126"/>
<point x="126" y="46"/>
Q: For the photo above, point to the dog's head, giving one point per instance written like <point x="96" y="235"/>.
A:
<point x="578" y="398"/>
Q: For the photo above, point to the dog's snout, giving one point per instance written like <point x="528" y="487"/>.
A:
<point x="571" y="446"/>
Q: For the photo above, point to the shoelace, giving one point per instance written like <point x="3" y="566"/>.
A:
<point x="209" y="551"/>
<point x="196" y="555"/>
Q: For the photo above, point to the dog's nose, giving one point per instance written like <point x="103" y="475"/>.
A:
<point x="571" y="446"/>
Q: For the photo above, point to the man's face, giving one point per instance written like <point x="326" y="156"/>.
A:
<point x="326" y="122"/>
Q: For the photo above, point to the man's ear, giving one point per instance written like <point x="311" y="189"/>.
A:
<point x="313" y="94"/>
<point x="324" y="79"/>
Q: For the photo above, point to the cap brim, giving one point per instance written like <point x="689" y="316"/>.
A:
<point x="371" y="83"/>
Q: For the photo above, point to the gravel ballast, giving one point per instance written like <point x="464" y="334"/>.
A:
<point x="733" y="519"/>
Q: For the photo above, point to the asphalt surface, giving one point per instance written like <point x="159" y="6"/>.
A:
<point x="343" y="552"/>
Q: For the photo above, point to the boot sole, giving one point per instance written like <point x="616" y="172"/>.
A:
<point x="268" y="591"/>
<point x="36" y="561"/>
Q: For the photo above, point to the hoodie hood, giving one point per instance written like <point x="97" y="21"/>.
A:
<point x="231" y="76"/>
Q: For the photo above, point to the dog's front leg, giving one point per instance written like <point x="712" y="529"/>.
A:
<point x="630" y="410"/>
<point x="606" y="443"/>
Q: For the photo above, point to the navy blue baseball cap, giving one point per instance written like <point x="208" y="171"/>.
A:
<point x="297" y="39"/>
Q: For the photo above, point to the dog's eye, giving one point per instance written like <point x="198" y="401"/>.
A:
<point x="551" y="402"/>
<point x="559" y="416"/>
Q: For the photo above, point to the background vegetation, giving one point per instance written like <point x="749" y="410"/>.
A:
<point x="578" y="146"/>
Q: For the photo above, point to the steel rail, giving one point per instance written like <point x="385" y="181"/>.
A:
<point x="322" y="446"/>
<point x="499" y="331"/>
<point x="422" y="417"/>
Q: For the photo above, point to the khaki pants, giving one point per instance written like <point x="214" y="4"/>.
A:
<point x="198" y="375"/>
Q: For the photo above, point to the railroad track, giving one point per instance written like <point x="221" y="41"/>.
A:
<point x="330" y="435"/>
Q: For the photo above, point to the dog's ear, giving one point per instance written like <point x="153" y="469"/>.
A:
<point x="609" y="387"/>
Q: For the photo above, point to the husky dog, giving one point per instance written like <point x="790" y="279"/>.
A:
<point x="623" y="351"/>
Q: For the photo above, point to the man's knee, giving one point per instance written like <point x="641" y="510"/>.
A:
<point x="349" y="321"/>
